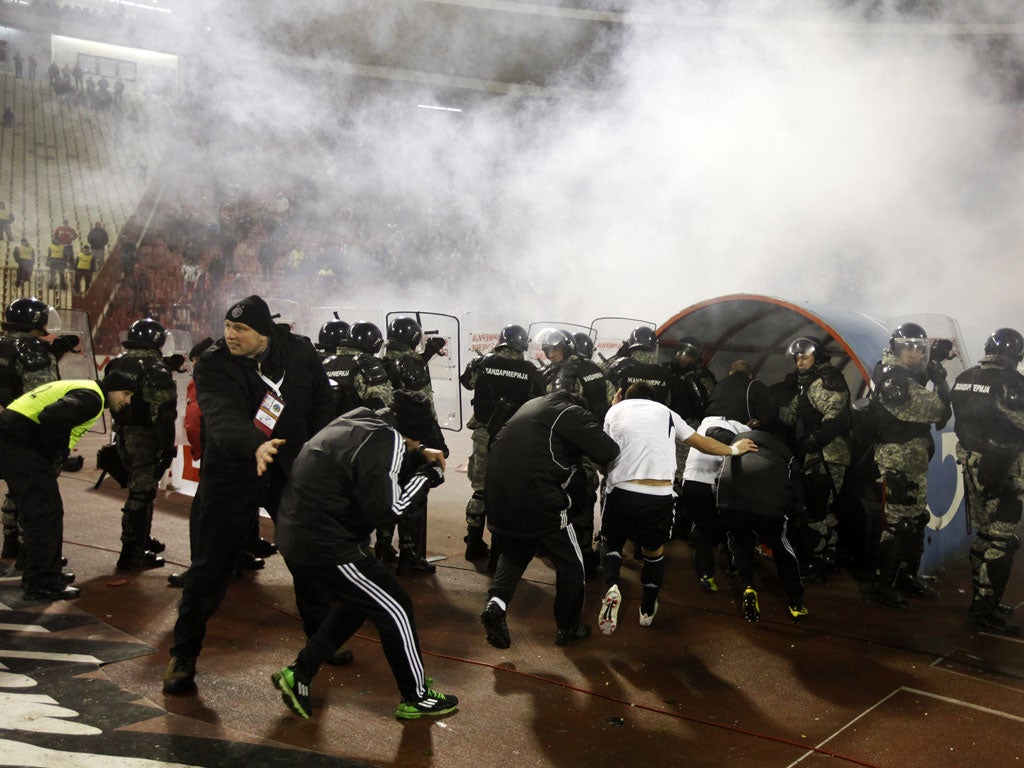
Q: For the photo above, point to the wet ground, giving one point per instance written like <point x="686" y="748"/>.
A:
<point x="853" y="684"/>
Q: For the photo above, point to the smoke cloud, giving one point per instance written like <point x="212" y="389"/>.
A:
<point x="651" y="154"/>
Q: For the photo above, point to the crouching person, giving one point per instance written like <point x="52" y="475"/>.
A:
<point x="343" y="486"/>
<point x="757" y="493"/>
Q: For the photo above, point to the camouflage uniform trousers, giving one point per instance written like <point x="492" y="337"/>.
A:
<point x="476" y="515"/>
<point x="823" y="480"/>
<point x="137" y="448"/>
<point x="904" y="468"/>
<point x="995" y="513"/>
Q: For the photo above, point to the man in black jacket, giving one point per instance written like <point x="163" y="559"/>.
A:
<point x="343" y="486"/>
<point x="757" y="493"/>
<point x="262" y="392"/>
<point x="532" y="462"/>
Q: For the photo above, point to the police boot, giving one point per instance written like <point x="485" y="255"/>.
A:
<point x="476" y="548"/>
<point x="984" y="616"/>
<point x="883" y="591"/>
<point x="132" y="559"/>
<point x="11" y="544"/>
<point x="410" y="563"/>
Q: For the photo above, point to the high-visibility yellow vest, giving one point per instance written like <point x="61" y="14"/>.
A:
<point x="31" y="404"/>
<point x="84" y="260"/>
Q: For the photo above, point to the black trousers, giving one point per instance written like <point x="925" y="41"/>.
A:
<point x="708" y="529"/>
<point x="360" y="591"/>
<point x="745" y="530"/>
<point x="32" y="482"/>
<point x="220" y="526"/>
<point x="563" y="549"/>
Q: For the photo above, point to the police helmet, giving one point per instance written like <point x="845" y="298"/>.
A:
<point x="807" y="345"/>
<point x="911" y="338"/>
<point x="333" y="334"/>
<point x="514" y="336"/>
<point x="27" y="315"/>
<point x="147" y="334"/>
<point x="366" y="337"/>
<point x="584" y="345"/>
<point x="642" y="337"/>
<point x="1007" y="342"/>
<point x="405" y="330"/>
<point x="687" y="347"/>
<point x="551" y="339"/>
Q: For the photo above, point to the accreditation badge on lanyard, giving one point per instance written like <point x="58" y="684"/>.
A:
<point x="271" y="407"/>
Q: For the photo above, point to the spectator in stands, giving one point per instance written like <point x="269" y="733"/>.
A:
<point x="128" y="258"/>
<point x="54" y="73"/>
<point x="17" y="64"/>
<point x="267" y="255"/>
<point x="140" y="289"/>
<point x="77" y="73"/>
<point x="25" y="258"/>
<point x="33" y="64"/>
<point x="98" y="240"/>
<point x="8" y="117"/>
<point x="56" y="264"/>
<point x="6" y="216"/>
<point x="296" y="260"/>
<point x="66" y="236"/>
<point x="83" y="269"/>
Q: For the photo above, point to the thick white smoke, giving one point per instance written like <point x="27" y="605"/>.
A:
<point x="871" y="161"/>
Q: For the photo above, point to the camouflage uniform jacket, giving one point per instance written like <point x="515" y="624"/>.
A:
<point x="826" y="392"/>
<point x="915" y="405"/>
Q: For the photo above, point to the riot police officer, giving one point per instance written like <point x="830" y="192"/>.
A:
<point x="357" y="375"/>
<point x="26" y="362"/>
<point x="988" y="402"/>
<point x="557" y="345"/>
<point x="819" y="413"/>
<point x="690" y="382"/>
<point x="333" y="334"/>
<point x="903" y="416"/>
<point x="144" y="434"/>
<point x="407" y="369"/>
<point x="637" y="361"/>
<point x="583" y="376"/>
<point x="501" y="381"/>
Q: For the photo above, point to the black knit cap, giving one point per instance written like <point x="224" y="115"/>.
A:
<point x="117" y="381"/>
<point x="413" y="414"/>
<point x="254" y="312"/>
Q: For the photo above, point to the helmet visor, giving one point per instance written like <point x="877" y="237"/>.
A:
<point x="912" y="353"/>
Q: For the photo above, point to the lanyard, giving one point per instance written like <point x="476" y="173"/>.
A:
<point x="274" y="385"/>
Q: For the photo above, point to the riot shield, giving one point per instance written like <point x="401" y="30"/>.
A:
<point x="534" y="352"/>
<point x="608" y="334"/>
<point x="444" y="367"/>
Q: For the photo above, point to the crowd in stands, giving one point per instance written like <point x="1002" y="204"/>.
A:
<point x="197" y="256"/>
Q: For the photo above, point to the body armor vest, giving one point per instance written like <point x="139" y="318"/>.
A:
<point x="26" y="362"/>
<point x="980" y="425"/>
<point x="500" y="378"/>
